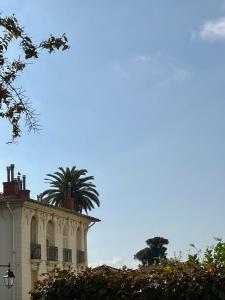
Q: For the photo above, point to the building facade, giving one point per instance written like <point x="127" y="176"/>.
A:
<point x="36" y="237"/>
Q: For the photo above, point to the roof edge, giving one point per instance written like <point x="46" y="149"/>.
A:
<point x="21" y="201"/>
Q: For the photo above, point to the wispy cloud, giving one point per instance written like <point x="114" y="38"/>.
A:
<point x="213" y="30"/>
<point x="156" y="69"/>
<point x="116" y="262"/>
<point x="120" y="69"/>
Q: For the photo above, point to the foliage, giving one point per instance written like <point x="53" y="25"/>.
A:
<point x="215" y="254"/>
<point x="14" y="105"/>
<point x="71" y="183"/>
<point x="193" y="258"/>
<point x="179" y="281"/>
<point x="155" y="251"/>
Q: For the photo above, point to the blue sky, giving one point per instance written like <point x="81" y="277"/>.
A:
<point x="138" y="100"/>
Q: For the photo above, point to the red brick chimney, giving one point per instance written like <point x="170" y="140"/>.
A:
<point x="15" y="187"/>
<point x="69" y="203"/>
<point x="10" y="188"/>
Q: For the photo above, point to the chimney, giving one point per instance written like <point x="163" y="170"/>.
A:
<point x="24" y="182"/>
<point x="25" y="194"/>
<point x="12" y="171"/>
<point x="19" y="181"/>
<point x="10" y="187"/>
<point x="8" y="174"/>
<point x="69" y="203"/>
<point x="22" y="191"/>
<point x="15" y="187"/>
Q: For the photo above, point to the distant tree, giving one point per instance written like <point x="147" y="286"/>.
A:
<point x="71" y="182"/>
<point x="14" y="104"/>
<point x="144" y="256"/>
<point x="154" y="252"/>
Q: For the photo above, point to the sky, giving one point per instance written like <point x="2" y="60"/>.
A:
<point x="139" y="101"/>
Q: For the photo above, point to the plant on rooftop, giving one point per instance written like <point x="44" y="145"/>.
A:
<point x="14" y="104"/>
<point x="71" y="183"/>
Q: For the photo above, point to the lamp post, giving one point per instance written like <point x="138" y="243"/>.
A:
<point x="9" y="277"/>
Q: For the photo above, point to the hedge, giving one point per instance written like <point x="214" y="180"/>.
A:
<point x="181" y="281"/>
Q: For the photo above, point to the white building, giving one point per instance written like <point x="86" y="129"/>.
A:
<point x="36" y="237"/>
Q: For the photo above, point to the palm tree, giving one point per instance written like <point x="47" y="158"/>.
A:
<point x="71" y="183"/>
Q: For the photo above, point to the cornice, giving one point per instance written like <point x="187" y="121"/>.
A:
<point x="49" y="209"/>
<point x="56" y="212"/>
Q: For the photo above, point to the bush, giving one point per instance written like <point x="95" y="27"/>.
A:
<point x="177" y="281"/>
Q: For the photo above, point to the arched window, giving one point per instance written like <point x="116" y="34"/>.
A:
<point x="78" y="239"/>
<point x="50" y="234"/>
<point x="34" y="231"/>
<point x="35" y="247"/>
<point x="52" y="251"/>
<point x="67" y="253"/>
<point x="80" y="252"/>
<point x="66" y="236"/>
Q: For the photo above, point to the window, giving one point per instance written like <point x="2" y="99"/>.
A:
<point x="34" y="231"/>
<point x="35" y="248"/>
<point x="78" y="239"/>
<point x="50" y="235"/>
<point x="66" y="236"/>
<point x="52" y="251"/>
<point x="80" y="252"/>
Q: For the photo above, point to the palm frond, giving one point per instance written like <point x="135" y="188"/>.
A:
<point x="83" y="190"/>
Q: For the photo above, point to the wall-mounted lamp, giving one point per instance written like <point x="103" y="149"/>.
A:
<point x="9" y="277"/>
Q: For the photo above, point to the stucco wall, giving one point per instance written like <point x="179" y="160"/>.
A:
<point x="6" y="249"/>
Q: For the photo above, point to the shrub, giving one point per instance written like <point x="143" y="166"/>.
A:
<point x="178" y="281"/>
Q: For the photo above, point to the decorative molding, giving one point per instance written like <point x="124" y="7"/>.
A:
<point x="28" y="213"/>
<point x="43" y="218"/>
<point x="59" y="224"/>
<point x="35" y="265"/>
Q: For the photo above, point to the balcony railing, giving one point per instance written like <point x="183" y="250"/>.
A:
<point x="52" y="253"/>
<point x="67" y="255"/>
<point x="35" y="251"/>
<point x="80" y="256"/>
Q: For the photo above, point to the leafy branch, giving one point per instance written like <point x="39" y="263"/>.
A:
<point x="14" y="104"/>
